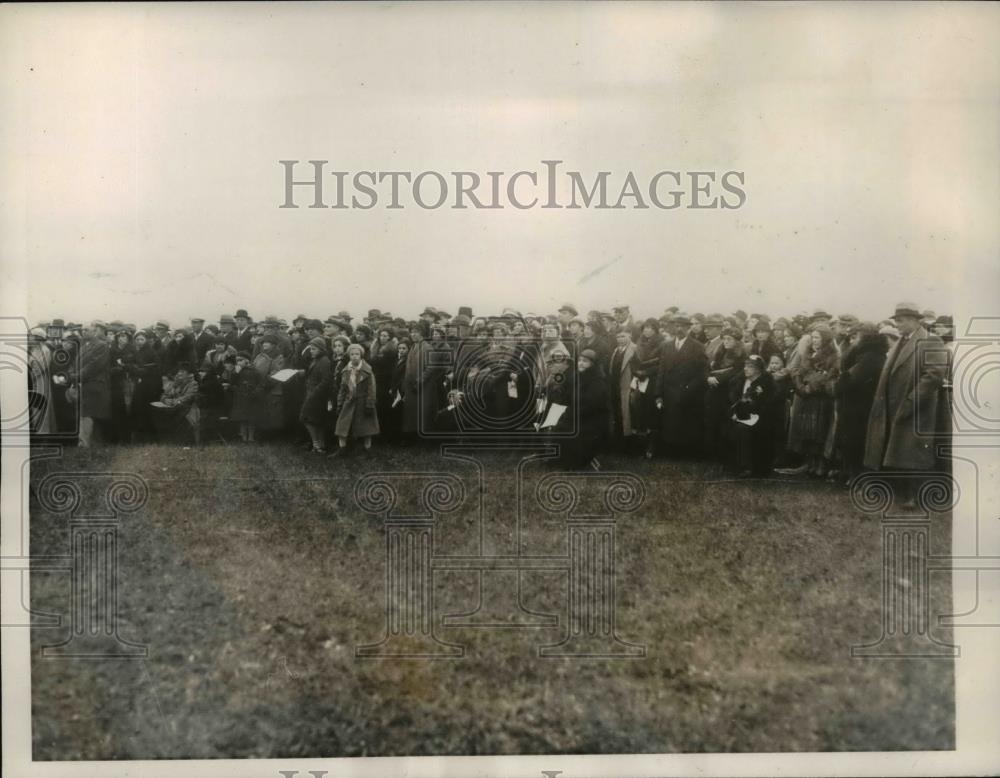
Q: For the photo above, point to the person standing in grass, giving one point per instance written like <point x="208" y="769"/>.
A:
<point x="813" y="380"/>
<point x="751" y="418"/>
<point x="906" y="414"/>
<point x="247" y="387"/>
<point x="318" y="382"/>
<point x="93" y="382"/>
<point x="357" y="416"/>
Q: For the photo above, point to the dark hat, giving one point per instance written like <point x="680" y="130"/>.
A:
<point x="319" y="343"/>
<point x="714" y="320"/>
<point x="847" y="319"/>
<point x="197" y="321"/>
<point x="607" y="315"/>
<point x="589" y="353"/>
<point x="161" y="324"/>
<point x="819" y="313"/>
<point x="344" y="315"/>
<point x="756" y="359"/>
<point x="945" y="319"/>
<point x="272" y="339"/>
<point x="374" y="313"/>
<point x="681" y="318"/>
<point x="443" y="315"/>
<point x="671" y="309"/>
<point x="700" y="317"/>
<point x="271" y="321"/>
<point x="620" y="308"/>
<point x="462" y="319"/>
<point x="569" y="308"/>
<point x="739" y="312"/>
<point x="465" y="310"/>
<point x="733" y="332"/>
<point x="312" y="324"/>
<point x="227" y="319"/>
<point x="241" y="314"/>
<point x="300" y="317"/>
<point x="429" y="311"/>
<point x="576" y="321"/>
<point x="58" y="323"/>
<point x="906" y="309"/>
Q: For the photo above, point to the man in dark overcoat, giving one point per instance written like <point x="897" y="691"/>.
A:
<point x="93" y="381"/>
<point x="906" y="414"/>
<point x="679" y="389"/>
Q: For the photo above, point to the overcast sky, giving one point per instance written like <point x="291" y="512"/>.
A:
<point x="141" y="147"/>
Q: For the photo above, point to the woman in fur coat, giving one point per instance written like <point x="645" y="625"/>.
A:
<point x="813" y="379"/>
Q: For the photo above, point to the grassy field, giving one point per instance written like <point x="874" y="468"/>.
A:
<point x="252" y="575"/>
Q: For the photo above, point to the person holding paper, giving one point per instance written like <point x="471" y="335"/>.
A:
<point x="751" y="419"/>
<point x="591" y="414"/>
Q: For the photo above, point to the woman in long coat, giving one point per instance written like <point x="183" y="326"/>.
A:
<point x="122" y="385"/>
<point x="421" y="394"/>
<point x="318" y="381"/>
<point x="384" y="354"/>
<point x="591" y="415"/>
<point x="855" y="390"/>
<point x="147" y="374"/>
<point x="356" y="401"/>
<point x="726" y="366"/>
<point x="813" y="380"/>
<point x="270" y="409"/>
<point x="393" y="421"/>
<point x="752" y="394"/>
<point x="647" y="360"/>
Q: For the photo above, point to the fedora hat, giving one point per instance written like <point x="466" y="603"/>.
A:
<point x="906" y="309"/>
<point x="241" y="314"/>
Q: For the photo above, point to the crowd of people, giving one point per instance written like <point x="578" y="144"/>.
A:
<point x="820" y="395"/>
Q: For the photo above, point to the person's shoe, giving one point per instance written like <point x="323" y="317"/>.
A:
<point x="800" y="470"/>
<point x="317" y="450"/>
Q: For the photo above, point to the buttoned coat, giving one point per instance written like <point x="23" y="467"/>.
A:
<point x="906" y="414"/>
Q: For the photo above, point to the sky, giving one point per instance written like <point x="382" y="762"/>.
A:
<point x="140" y="145"/>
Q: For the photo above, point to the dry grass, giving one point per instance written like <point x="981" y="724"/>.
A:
<point x="252" y="575"/>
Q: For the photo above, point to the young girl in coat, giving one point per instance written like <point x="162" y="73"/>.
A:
<point x="356" y="401"/>
<point x="247" y="386"/>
